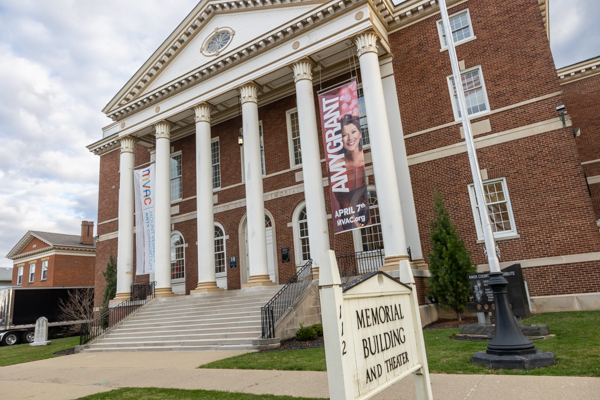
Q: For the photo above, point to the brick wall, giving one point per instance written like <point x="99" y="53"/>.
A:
<point x="582" y="98"/>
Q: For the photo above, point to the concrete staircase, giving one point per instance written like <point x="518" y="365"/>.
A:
<point x="228" y="320"/>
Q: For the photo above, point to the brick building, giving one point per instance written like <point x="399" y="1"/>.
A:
<point x="254" y="68"/>
<point x="44" y="259"/>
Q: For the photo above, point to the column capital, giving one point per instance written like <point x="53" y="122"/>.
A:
<point x="249" y="93"/>
<point x="203" y="112"/>
<point x="163" y="130"/>
<point x="302" y="70"/>
<point x="366" y="43"/>
<point x="127" y="144"/>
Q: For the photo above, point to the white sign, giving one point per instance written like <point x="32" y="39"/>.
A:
<point x="144" y="220"/>
<point x="373" y="335"/>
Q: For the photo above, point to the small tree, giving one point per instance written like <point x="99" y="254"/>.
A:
<point x="79" y="306"/>
<point x="449" y="262"/>
<point x="110" y="290"/>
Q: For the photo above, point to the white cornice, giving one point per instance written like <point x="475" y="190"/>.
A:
<point x="52" y="249"/>
<point x="127" y="101"/>
<point x="105" y="145"/>
<point x="581" y="70"/>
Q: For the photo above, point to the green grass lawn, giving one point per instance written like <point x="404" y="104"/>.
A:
<point x="576" y="349"/>
<point x="179" y="394"/>
<point x="21" y="353"/>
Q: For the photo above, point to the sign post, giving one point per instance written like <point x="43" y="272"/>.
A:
<point x="372" y="331"/>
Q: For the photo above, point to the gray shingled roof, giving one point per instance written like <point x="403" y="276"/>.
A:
<point x="61" y="239"/>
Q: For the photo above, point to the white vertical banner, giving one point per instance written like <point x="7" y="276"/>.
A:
<point x="144" y="220"/>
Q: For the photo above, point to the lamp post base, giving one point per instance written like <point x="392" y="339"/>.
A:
<point x="509" y="348"/>
<point x="526" y="361"/>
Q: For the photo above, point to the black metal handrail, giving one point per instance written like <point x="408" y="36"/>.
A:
<point x="284" y="299"/>
<point x="141" y="293"/>
<point x="360" y="263"/>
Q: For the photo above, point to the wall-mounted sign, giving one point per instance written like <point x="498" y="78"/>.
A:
<point x="232" y="262"/>
<point x="285" y="255"/>
<point x="372" y="332"/>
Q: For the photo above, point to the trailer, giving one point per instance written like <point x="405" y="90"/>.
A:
<point x="21" y="307"/>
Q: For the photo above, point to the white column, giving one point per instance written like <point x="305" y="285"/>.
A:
<point x="162" y="219"/>
<point x="318" y="230"/>
<point x="407" y="201"/>
<point x="207" y="280"/>
<point x="255" y="205"/>
<point x="125" y="240"/>
<point x="384" y="167"/>
<point x="152" y="151"/>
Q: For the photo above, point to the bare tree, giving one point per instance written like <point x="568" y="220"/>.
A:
<point x="79" y="306"/>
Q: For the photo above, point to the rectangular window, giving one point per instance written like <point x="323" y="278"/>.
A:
<point x="215" y="155"/>
<point x="31" y="272"/>
<point x="44" y="270"/>
<point x="176" y="186"/>
<point x="499" y="208"/>
<point x="460" y="23"/>
<point x="262" y="152"/>
<point x="362" y="110"/>
<point x="293" y="129"/>
<point x="20" y="276"/>
<point x="475" y="93"/>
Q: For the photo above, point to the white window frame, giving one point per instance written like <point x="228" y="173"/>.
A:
<point x="357" y="233"/>
<point x="224" y="273"/>
<point x="478" y="227"/>
<point x="182" y="279"/>
<point x="262" y="151"/>
<point x="20" y="275"/>
<point x="297" y="238"/>
<point x="288" y="119"/>
<point x="44" y="270"/>
<point x="217" y="164"/>
<point x="454" y="100"/>
<point x="364" y="145"/>
<point x="443" y="45"/>
<point x="180" y="177"/>
<point x="31" y="272"/>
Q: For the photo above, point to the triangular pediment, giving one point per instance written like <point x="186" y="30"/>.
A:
<point x="181" y="52"/>
<point x="29" y="242"/>
<point x="247" y="27"/>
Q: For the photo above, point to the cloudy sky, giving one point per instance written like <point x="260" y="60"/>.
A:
<point x="61" y="61"/>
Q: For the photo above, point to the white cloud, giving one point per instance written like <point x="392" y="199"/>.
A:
<point x="62" y="61"/>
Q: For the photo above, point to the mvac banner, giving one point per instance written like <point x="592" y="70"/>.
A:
<point x="144" y="220"/>
<point x="342" y="140"/>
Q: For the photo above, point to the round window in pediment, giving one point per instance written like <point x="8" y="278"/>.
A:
<point x="216" y="42"/>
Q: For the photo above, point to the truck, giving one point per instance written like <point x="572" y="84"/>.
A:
<point x="21" y="307"/>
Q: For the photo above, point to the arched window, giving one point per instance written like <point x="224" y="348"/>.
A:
<point x="177" y="256"/>
<point x="301" y="242"/>
<point x="371" y="236"/>
<point x="268" y="223"/>
<point x="219" y="250"/>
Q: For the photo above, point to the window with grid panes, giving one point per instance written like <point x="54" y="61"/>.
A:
<point x="371" y="236"/>
<point x="475" y="93"/>
<point x="362" y="110"/>
<point x="177" y="257"/>
<point x="303" y="235"/>
<point x="499" y="208"/>
<point x="216" y="163"/>
<point x="460" y="23"/>
<point x="219" y="250"/>
<point x="176" y="186"/>
<point x="44" y="270"/>
<point x="20" y="276"/>
<point x="31" y="272"/>
<point x="294" y="138"/>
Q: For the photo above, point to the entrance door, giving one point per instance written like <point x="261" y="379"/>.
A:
<point x="270" y="250"/>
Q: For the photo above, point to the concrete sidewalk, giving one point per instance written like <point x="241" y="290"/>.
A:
<point x="71" y="377"/>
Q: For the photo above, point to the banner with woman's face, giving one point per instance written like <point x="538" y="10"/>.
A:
<point x="342" y="140"/>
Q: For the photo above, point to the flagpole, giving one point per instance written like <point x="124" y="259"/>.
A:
<point x="509" y="348"/>
<point x="488" y="235"/>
